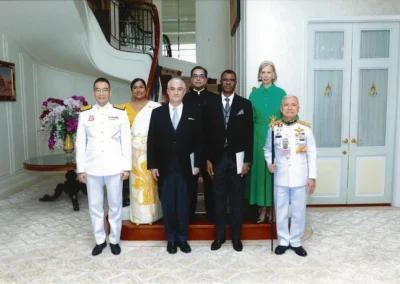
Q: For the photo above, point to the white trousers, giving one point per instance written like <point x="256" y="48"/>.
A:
<point x="294" y="198"/>
<point x="95" y="190"/>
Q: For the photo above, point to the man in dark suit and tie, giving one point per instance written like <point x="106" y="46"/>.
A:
<point x="228" y="150"/>
<point x="174" y="134"/>
<point x="199" y="96"/>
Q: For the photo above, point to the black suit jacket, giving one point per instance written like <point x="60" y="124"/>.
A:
<point x="200" y="101"/>
<point x="193" y="98"/>
<point x="164" y="142"/>
<point x="239" y="132"/>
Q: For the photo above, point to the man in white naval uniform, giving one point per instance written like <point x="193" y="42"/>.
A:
<point x="103" y="157"/>
<point x="295" y="172"/>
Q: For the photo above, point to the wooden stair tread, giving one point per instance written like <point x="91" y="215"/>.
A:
<point x="198" y="230"/>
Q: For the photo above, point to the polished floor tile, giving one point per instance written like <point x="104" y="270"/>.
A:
<point x="50" y="243"/>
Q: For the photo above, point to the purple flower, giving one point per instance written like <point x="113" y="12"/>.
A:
<point x="81" y="99"/>
<point x="72" y="125"/>
<point x="52" y="141"/>
<point x="44" y="113"/>
<point x="45" y="104"/>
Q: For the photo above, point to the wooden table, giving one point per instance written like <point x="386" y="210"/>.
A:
<point x="59" y="162"/>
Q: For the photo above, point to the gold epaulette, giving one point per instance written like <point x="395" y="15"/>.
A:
<point x="83" y="108"/>
<point x="305" y="123"/>
<point x="120" y="107"/>
<point x="273" y="122"/>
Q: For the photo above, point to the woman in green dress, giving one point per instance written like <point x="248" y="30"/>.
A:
<point x="266" y="101"/>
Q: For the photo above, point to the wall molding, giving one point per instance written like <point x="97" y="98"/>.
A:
<point x="36" y="106"/>
<point x="22" y="97"/>
<point x="8" y="114"/>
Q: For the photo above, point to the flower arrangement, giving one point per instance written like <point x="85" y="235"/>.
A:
<point x="59" y="118"/>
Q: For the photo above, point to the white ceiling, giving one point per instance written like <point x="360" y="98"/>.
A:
<point x="51" y="31"/>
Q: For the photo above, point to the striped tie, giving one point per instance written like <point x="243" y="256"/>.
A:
<point x="227" y="110"/>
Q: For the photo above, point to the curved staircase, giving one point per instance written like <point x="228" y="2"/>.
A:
<point x="200" y="228"/>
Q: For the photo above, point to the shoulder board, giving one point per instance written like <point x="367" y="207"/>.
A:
<point x="305" y="123"/>
<point x="84" y="108"/>
<point x="120" y="107"/>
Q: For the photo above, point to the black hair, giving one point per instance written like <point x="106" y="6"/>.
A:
<point x="101" y="79"/>
<point x="228" y="71"/>
<point x="201" y="68"/>
<point x="138" y="80"/>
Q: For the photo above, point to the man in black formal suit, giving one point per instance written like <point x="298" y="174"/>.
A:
<point x="199" y="96"/>
<point x="228" y="150"/>
<point x="174" y="134"/>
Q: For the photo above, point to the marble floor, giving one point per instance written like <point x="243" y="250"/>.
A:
<point x="50" y="243"/>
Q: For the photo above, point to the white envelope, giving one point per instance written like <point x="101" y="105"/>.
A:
<point x="192" y="162"/>
<point x="239" y="162"/>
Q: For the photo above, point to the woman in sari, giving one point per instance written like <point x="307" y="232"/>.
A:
<point x="145" y="204"/>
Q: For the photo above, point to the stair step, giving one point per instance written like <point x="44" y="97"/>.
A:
<point x="198" y="230"/>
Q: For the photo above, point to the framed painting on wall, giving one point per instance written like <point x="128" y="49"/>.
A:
<point x="235" y="15"/>
<point x="7" y="81"/>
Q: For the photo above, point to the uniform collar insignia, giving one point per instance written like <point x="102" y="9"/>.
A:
<point x="289" y="122"/>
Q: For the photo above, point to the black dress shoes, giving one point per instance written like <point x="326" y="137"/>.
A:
<point x="216" y="245"/>
<point x="184" y="247"/>
<point x="237" y="245"/>
<point x="171" y="247"/>
<point x="99" y="248"/>
<point x="115" y="249"/>
<point x="299" y="251"/>
<point x="281" y="249"/>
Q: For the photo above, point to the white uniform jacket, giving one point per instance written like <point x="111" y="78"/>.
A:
<point x="103" y="141"/>
<point x="295" y="154"/>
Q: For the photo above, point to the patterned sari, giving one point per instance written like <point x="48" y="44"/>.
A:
<point x="145" y="204"/>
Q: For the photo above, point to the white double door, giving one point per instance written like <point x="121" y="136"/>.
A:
<point x="352" y="87"/>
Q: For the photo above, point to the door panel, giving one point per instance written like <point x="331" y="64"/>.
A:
<point x="352" y="79"/>
<point x="328" y="108"/>
<point x="372" y="119"/>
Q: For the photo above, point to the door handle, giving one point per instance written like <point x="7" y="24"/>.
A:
<point x="345" y="141"/>
<point x="344" y="152"/>
<point x="354" y="140"/>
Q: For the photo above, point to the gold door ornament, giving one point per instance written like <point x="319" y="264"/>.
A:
<point x="373" y="91"/>
<point x="328" y="91"/>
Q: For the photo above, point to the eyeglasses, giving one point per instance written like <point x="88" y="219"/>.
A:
<point x="195" y="76"/>
<point x="99" y="91"/>
<point x="228" y="80"/>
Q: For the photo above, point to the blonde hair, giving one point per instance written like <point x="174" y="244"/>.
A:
<point x="265" y="64"/>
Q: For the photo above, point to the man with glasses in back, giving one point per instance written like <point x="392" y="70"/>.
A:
<point x="103" y="157"/>
<point x="229" y="152"/>
<point x="199" y="96"/>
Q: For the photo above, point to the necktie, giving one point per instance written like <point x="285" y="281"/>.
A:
<point x="175" y="119"/>
<point x="226" y="111"/>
